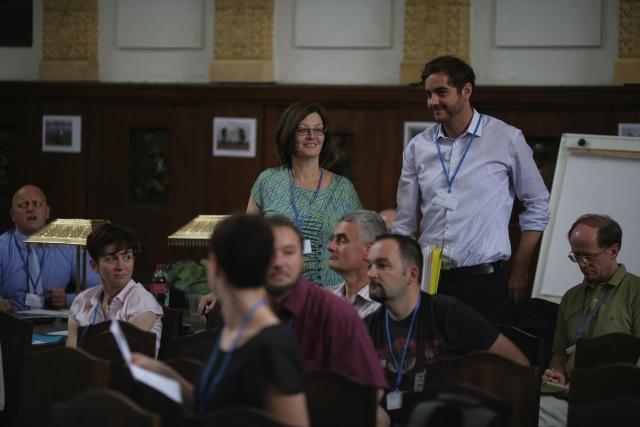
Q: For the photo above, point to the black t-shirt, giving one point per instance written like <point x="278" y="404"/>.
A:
<point x="271" y="357"/>
<point x="444" y="327"/>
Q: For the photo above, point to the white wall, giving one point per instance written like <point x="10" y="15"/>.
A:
<point x="513" y="65"/>
<point x="380" y="65"/>
<point x="542" y="65"/>
<point x="23" y="63"/>
<point x="151" y="64"/>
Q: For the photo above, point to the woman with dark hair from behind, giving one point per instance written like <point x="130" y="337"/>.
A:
<point x="312" y="197"/>
<point x="255" y="361"/>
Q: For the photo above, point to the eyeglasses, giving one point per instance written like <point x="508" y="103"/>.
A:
<point x="585" y="258"/>
<point x="314" y="132"/>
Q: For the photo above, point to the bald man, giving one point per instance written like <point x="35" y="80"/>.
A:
<point x="31" y="275"/>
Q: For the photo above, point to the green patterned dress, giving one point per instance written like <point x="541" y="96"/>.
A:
<point x="318" y="216"/>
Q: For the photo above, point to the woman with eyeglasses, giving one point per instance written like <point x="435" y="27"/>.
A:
<point x="313" y="198"/>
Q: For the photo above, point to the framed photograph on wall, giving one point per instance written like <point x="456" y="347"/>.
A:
<point x="412" y="129"/>
<point x="629" y="129"/>
<point x="61" y="134"/>
<point x="234" y="137"/>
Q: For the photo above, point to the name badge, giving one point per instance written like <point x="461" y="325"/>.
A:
<point x="306" y="246"/>
<point x="394" y="400"/>
<point x="446" y="200"/>
<point x="570" y="350"/>
<point x="418" y="382"/>
<point x="34" y="301"/>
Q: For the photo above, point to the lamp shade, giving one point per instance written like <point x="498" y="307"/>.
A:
<point x="196" y="232"/>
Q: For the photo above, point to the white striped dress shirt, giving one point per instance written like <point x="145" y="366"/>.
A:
<point x="498" y="167"/>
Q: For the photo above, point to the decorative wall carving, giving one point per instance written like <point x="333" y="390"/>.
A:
<point x="629" y="30"/>
<point x="341" y="154"/>
<point x="243" y="29"/>
<point x="545" y="154"/>
<point x="436" y="27"/>
<point x="70" y="30"/>
<point x="150" y="171"/>
<point x="7" y="160"/>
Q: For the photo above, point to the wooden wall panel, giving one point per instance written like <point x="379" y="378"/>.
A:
<point x="97" y="183"/>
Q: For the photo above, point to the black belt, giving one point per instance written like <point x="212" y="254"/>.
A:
<point x="459" y="273"/>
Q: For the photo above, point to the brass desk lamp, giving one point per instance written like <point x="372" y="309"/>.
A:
<point x="196" y="232"/>
<point x="70" y="232"/>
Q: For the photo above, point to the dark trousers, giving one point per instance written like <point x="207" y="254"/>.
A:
<point x="486" y="293"/>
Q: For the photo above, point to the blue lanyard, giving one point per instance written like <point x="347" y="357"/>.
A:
<point x="205" y="392"/>
<point x="584" y="323"/>
<point x="397" y="365"/>
<point x="25" y="264"/>
<point x="93" y="321"/>
<point x="444" y="168"/>
<point x="296" y="213"/>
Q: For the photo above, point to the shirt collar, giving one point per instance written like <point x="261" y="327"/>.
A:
<point x="120" y="298"/>
<point x="295" y="302"/>
<point x="363" y="293"/>
<point x="470" y="128"/>
<point x="615" y="280"/>
<point x="20" y="236"/>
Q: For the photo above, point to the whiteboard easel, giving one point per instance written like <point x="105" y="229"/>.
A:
<point x="594" y="174"/>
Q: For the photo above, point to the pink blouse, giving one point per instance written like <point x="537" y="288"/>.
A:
<point x="131" y="301"/>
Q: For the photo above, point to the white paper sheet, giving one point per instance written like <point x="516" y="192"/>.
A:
<point x="64" y="333"/>
<point x="165" y="385"/>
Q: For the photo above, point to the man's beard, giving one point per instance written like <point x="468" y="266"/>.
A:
<point x="378" y="294"/>
<point x="279" y="290"/>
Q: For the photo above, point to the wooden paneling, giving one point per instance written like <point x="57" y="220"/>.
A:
<point x="98" y="182"/>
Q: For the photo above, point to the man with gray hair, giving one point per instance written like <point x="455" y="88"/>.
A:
<point x="348" y="252"/>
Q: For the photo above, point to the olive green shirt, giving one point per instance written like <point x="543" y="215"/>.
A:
<point x="619" y="313"/>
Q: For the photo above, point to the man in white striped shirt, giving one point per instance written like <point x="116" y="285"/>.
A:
<point x="463" y="174"/>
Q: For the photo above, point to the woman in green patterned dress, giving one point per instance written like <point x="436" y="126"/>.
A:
<point x="300" y="189"/>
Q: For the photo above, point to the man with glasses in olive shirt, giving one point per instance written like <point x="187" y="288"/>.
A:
<point x="607" y="301"/>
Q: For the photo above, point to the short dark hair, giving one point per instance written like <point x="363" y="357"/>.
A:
<point x="283" y="221"/>
<point x="111" y="234"/>
<point x="288" y="126"/>
<point x="410" y="251"/>
<point x="609" y="231"/>
<point x="243" y="246"/>
<point x="459" y="72"/>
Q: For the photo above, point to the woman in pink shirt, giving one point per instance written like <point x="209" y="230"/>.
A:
<point x="119" y="297"/>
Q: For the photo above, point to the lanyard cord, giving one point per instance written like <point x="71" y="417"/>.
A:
<point x="207" y="390"/>
<point x="397" y="365"/>
<point x="584" y="323"/>
<point x="31" y="284"/>
<point x="93" y="321"/>
<point x="464" y="154"/>
<point x="296" y="213"/>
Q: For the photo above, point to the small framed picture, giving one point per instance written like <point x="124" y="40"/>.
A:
<point x="629" y="129"/>
<point x="234" y="137"/>
<point x="61" y="134"/>
<point x="412" y="129"/>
